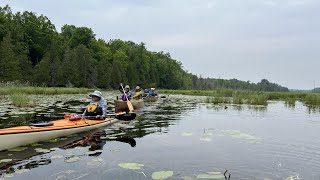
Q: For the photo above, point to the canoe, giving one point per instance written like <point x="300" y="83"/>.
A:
<point x="24" y="135"/>
<point x="151" y="98"/>
<point x="122" y="105"/>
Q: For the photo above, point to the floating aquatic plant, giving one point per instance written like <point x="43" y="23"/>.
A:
<point x="36" y="144"/>
<point x="56" y="157"/>
<point x="211" y="176"/>
<point x="95" y="162"/>
<point x="41" y="150"/>
<point x="161" y="175"/>
<point x="20" y="171"/>
<point x="133" y="166"/>
<point x="5" y="160"/>
<point x="242" y="135"/>
<point x="17" y="149"/>
<point x="187" y="134"/>
<point x="73" y="159"/>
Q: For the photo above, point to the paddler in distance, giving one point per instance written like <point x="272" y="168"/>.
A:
<point x="138" y="93"/>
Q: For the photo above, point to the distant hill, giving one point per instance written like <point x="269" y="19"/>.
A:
<point x="211" y="83"/>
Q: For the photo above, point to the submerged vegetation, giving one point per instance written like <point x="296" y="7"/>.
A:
<point x="250" y="97"/>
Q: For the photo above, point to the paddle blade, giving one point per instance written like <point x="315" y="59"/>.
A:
<point x="130" y="106"/>
<point x="126" y="117"/>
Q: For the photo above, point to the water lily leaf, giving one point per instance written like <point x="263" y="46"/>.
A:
<point x="36" y="144"/>
<point x="80" y="148"/>
<point x="161" y="175"/>
<point x="20" y="171"/>
<point x="210" y="176"/>
<point x="52" y="140"/>
<point x="73" y="159"/>
<point x="94" y="152"/>
<point x="17" y="149"/>
<point x="5" y="160"/>
<point x="8" y="176"/>
<point x="242" y="135"/>
<point x="69" y="171"/>
<point x="133" y="166"/>
<point x="206" y="139"/>
<point x="186" y="134"/>
<point x="41" y="150"/>
<point x="56" y="157"/>
<point x="95" y="162"/>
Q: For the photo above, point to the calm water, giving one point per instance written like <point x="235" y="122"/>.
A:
<point x="180" y="134"/>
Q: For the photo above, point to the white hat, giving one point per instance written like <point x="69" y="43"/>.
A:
<point x="96" y="93"/>
<point x="127" y="87"/>
<point x="152" y="89"/>
<point x="138" y="88"/>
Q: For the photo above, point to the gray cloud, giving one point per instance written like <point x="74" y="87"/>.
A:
<point x="247" y="39"/>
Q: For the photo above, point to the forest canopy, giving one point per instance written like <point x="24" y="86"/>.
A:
<point x="32" y="50"/>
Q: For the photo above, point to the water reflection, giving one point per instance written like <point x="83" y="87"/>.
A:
<point x="24" y="159"/>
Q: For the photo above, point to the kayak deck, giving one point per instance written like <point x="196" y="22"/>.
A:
<point x="57" y="125"/>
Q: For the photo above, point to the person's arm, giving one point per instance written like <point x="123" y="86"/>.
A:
<point x="120" y="89"/>
<point x="137" y="94"/>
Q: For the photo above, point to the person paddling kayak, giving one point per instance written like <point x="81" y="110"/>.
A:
<point x="126" y="94"/>
<point x="97" y="106"/>
<point x="152" y="92"/>
<point x="138" y="93"/>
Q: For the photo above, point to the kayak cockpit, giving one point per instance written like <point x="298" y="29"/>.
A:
<point x="45" y="124"/>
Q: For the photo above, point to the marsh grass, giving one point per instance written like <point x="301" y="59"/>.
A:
<point x="20" y="99"/>
<point x="312" y="99"/>
<point x="8" y="90"/>
<point x="251" y="97"/>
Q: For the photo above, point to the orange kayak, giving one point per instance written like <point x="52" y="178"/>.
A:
<point x="24" y="135"/>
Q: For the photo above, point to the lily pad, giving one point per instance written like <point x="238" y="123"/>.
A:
<point x="41" y="150"/>
<point x="95" y="162"/>
<point x="17" y="149"/>
<point x="242" y="135"/>
<point x="36" y="144"/>
<point x="211" y="176"/>
<point x="70" y="171"/>
<point x="52" y="140"/>
<point x="20" y="171"/>
<point x="186" y="134"/>
<point x="133" y="166"/>
<point x="8" y="176"/>
<point x="161" y="175"/>
<point x="73" y="159"/>
<point x="5" y="160"/>
<point x="206" y="138"/>
<point x="94" y="152"/>
<point x="56" y="157"/>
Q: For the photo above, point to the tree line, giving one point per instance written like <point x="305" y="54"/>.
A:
<point x="32" y="50"/>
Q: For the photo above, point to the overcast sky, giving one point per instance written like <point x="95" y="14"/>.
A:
<point x="245" y="39"/>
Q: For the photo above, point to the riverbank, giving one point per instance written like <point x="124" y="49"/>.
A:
<point x="8" y="90"/>
<point x="249" y="97"/>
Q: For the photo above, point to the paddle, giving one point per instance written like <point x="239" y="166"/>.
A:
<point x="128" y="102"/>
<point x="124" y="116"/>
